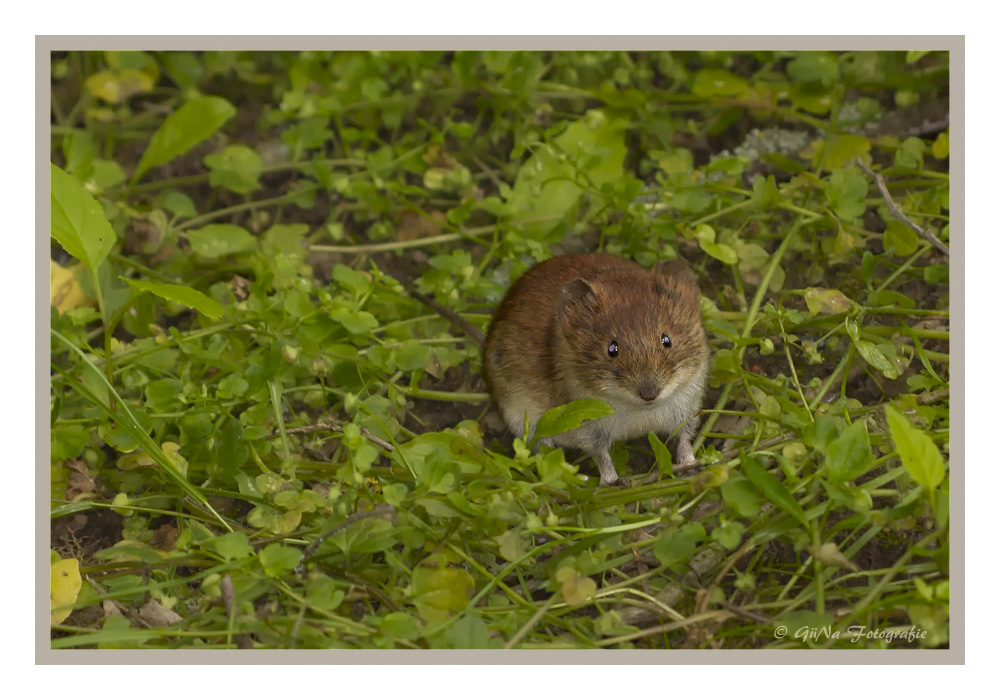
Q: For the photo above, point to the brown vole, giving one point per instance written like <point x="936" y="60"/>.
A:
<point x="594" y="325"/>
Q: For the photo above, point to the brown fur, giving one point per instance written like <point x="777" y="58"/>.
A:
<point x="548" y="341"/>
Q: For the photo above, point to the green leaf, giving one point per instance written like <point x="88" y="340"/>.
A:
<point x="664" y="463"/>
<point x="674" y="546"/>
<point x="217" y="240"/>
<point x="919" y="454"/>
<point x="236" y="167"/>
<point x="729" y="534"/>
<point x="720" y="251"/>
<point x="356" y="322"/>
<point x="278" y="560"/>
<point x="773" y="490"/>
<point x="232" y="545"/>
<point x="470" y="632"/>
<point x="844" y="148"/>
<point x="179" y="204"/>
<point x="875" y="357"/>
<point x="323" y="593"/>
<point x="911" y="153"/>
<point x="826" y="301"/>
<point x="814" y="67"/>
<point x="562" y="419"/>
<point x="438" y="592"/>
<point x="741" y="496"/>
<point x="713" y="82"/>
<point x="399" y="625"/>
<point x="845" y="193"/>
<point x="191" y="298"/>
<point x="412" y="355"/>
<point x="765" y="192"/>
<point x="900" y="238"/>
<point x="78" y="221"/>
<point x="191" y="124"/>
<point x="850" y="454"/>
<point x="229" y="452"/>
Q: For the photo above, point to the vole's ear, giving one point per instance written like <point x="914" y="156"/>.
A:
<point x="577" y="293"/>
<point x="677" y="271"/>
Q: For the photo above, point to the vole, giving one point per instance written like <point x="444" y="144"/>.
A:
<point x="594" y="325"/>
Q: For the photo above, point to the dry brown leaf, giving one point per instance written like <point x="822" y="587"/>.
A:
<point x="413" y="226"/>
<point x="155" y="615"/>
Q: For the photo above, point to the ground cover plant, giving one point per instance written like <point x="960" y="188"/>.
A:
<point x="260" y="438"/>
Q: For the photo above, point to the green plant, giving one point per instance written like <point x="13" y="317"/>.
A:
<point x="260" y="439"/>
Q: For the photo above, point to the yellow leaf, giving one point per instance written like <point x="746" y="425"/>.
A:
<point x="941" y="146"/>
<point x="826" y="301"/>
<point x="118" y="86"/>
<point x="578" y="589"/>
<point x="65" y="292"/>
<point x="65" y="583"/>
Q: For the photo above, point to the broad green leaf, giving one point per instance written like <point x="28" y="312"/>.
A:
<point x="911" y="153"/>
<point x="674" y="546"/>
<point x="712" y="82"/>
<point x="356" y="322"/>
<point x="107" y="174"/>
<point x="850" y="454"/>
<point x="900" y="237"/>
<point x="179" y="204"/>
<point x="562" y="419"/>
<point x="278" y="559"/>
<point x="845" y="193"/>
<point x="191" y="298"/>
<point x="439" y="592"/>
<point x="236" y="167"/>
<point x="720" y="251"/>
<point x="729" y="534"/>
<point x="918" y="452"/>
<point x="78" y="221"/>
<point x="191" y="124"/>
<point x="217" y="240"/>
<point x="399" y="625"/>
<point x="230" y="546"/>
<point x="826" y="301"/>
<point x="412" y="355"/>
<point x="765" y="192"/>
<point x="741" y="497"/>
<point x="323" y="593"/>
<point x="470" y="632"/>
<point x="814" y="67"/>
<point x="775" y="491"/>
<point x="876" y="358"/>
<point x="810" y="98"/>
<point x="844" y="148"/>
<point x="664" y="463"/>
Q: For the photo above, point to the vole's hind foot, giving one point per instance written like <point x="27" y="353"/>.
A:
<point x="609" y="477"/>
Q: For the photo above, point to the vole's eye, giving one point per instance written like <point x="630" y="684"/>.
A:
<point x="665" y="339"/>
<point x="613" y="348"/>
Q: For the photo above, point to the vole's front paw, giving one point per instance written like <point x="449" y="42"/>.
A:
<point x="617" y="481"/>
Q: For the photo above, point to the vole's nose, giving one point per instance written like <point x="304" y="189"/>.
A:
<point x="648" y="391"/>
